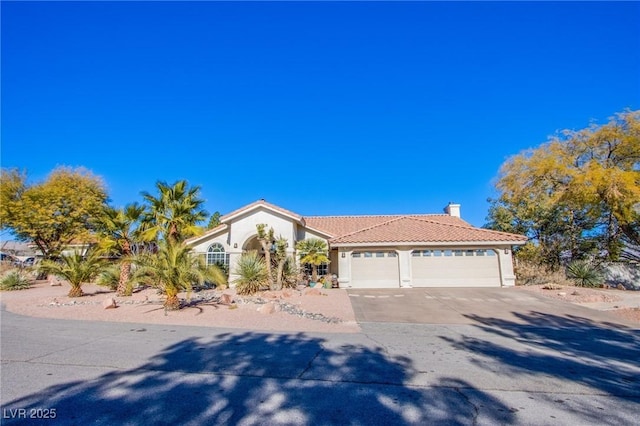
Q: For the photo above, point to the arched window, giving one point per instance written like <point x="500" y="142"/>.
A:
<point x="216" y="255"/>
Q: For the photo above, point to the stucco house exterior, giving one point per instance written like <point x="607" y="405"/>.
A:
<point x="381" y="251"/>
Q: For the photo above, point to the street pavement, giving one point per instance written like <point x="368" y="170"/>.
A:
<point x="504" y="366"/>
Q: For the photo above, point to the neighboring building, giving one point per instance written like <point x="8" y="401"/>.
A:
<point x="387" y="251"/>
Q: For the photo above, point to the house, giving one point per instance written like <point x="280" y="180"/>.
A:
<point x="385" y="251"/>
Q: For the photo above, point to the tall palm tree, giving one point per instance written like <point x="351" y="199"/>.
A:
<point x="313" y="251"/>
<point x="174" y="268"/>
<point x="119" y="230"/>
<point x="75" y="268"/>
<point x="175" y="213"/>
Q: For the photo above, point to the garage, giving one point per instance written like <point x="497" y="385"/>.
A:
<point x="455" y="268"/>
<point x="375" y="269"/>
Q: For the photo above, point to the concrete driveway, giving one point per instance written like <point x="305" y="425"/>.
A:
<point x="466" y="306"/>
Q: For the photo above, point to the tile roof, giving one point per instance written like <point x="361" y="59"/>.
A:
<point x="381" y="229"/>
<point x="422" y="229"/>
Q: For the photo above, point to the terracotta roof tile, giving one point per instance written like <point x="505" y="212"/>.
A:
<point x="412" y="229"/>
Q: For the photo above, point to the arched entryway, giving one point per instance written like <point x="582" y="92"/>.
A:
<point x="252" y="244"/>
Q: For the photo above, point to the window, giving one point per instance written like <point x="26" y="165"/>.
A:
<point x="322" y="269"/>
<point x="448" y="253"/>
<point x="216" y="255"/>
<point x="457" y="252"/>
<point x="480" y="252"/>
<point x="392" y="254"/>
<point x="367" y="254"/>
<point x="355" y="254"/>
<point x="491" y="253"/>
<point x="379" y="254"/>
<point x="415" y="253"/>
<point x="437" y="253"/>
<point x="426" y="253"/>
<point x="468" y="253"/>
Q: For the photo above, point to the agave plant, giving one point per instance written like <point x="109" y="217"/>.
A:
<point x="74" y="268"/>
<point x="252" y="273"/>
<point x="584" y="273"/>
<point x="14" y="280"/>
<point x="175" y="268"/>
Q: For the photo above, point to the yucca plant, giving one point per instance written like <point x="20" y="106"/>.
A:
<point x="175" y="268"/>
<point x="584" y="273"/>
<point x="75" y="268"/>
<point x="290" y="273"/>
<point x="14" y="280"/>
<point x="252" y="273"/>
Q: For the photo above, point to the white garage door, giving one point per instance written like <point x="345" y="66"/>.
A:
<point x="454" y="268"/>
<point x="375" y="269"/>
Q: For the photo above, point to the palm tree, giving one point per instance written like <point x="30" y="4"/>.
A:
<point x="313" y="251"/>
<point x="75" y="268"/>
<point x="175" y="213"/>
<point x="119" y="230"/>
<point x="174" y="268"/>
<point x="252" y="273"/>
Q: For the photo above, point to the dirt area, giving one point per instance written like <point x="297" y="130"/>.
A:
<point x="305" y="310"/>
<point x="624" y="303"/>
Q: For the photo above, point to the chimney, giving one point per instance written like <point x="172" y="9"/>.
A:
<point x="452" y="209"/>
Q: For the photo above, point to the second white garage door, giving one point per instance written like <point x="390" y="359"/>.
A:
<point x="375" y="269"/>
<point x="455" y="268"/>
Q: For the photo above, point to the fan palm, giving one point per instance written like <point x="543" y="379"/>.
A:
<point x="119" y="230"/>
<point x="75" y="268"/>
<point x="313" y="251"/>
<point x="174" y="268"/>
<point x="175" y="213"/>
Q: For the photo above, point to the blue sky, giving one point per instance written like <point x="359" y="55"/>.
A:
<point x="321" y="108"/>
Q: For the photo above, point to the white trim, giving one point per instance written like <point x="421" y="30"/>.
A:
<point x="439" y="244"/>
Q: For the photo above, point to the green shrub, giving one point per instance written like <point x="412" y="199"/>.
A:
<point x="109" y="277"/>
<point x="14" y="281"/>
<point x="584" y="273"/>
<point x="253" y="275"/>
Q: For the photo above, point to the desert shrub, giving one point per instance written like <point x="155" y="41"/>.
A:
<point x="530" y="273"/>
<point x="252" y="273"/>
<point x="14" y="280"/>
<point x="290" y="273"/>
<point x="584" y="273"/>
<point x="109" y="277"/>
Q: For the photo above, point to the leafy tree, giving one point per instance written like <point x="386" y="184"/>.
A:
<point x="119" y="230"/>
<point x="175" y="213"/>
<point x="252" y="273"/>
<point x="54" y="213"/>
<point x="313" y="251"/>
<point x="75" y="268"/>
<point x="214" y="220"/>
<point x="175" y="268"/>
<point x="574" y="196"/>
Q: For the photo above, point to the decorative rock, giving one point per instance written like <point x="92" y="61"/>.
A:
<point x="226" y="299"/>
<point x="268" y="308"/>
<point x="109" y="303"/>
<point x="286" y="293"/>
<point x="621" y="287"/>
<point x="562" y="293"/>
<point x="313" y="292"/>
